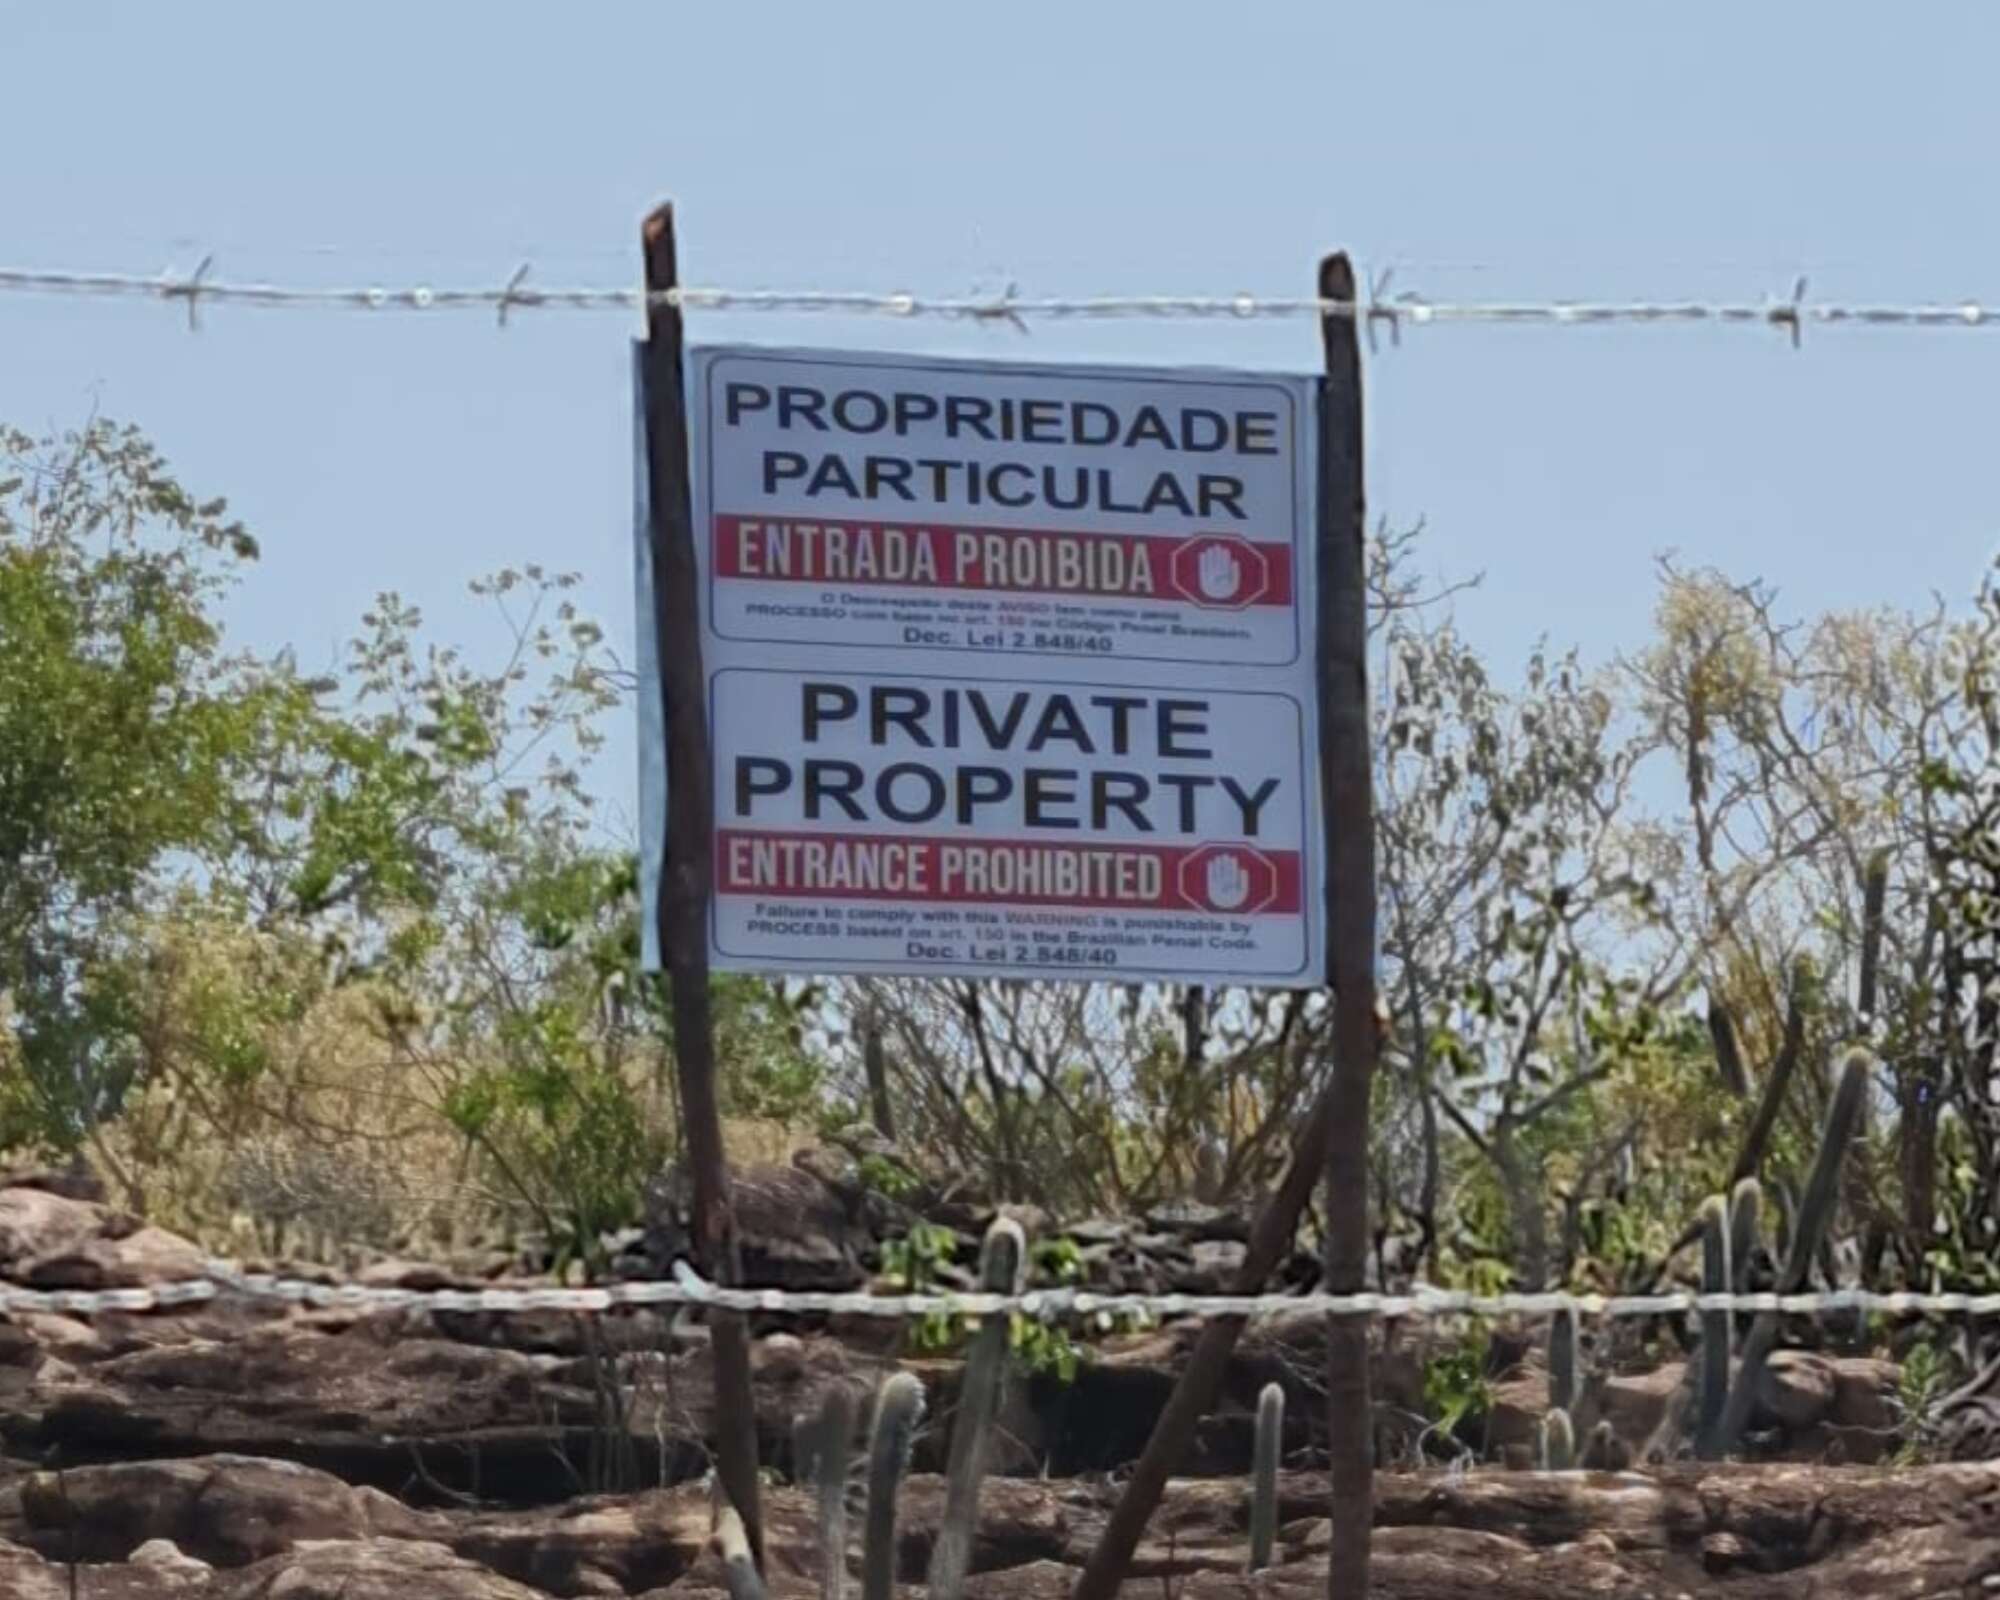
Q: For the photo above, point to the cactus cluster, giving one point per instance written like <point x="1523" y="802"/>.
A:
<point x="1729" y="1238"/>
<point x="1733" y="1225"/>
<point x="1729" y="1372"/>
<point x="824" y="1444"/>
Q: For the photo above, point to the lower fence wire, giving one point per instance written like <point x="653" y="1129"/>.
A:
<point x="687" y="1289"/>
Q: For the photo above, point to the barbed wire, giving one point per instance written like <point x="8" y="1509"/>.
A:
<point x="686" y="1289"/>
<point x="1379" y="309"/>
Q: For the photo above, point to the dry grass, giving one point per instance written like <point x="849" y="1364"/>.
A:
<point x="759" y="1140"/>
<point x="274" y="1118"/>
<point x="281" y="1115"/>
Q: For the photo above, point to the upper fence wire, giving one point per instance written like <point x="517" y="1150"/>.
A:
<point x="1378" y="310"/>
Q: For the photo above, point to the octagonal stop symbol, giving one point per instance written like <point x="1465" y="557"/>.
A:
<point x="1229" y="877"/>
<point x="1220" y="571"/>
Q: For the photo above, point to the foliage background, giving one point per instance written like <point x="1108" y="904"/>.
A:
<point x="347" y="966"/>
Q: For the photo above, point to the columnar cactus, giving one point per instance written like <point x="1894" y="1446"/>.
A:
<point x="1874" y="892"/>
<point x="1745" y="1206"/>
<point x="1728" y="1052"/>
<point x="1716" y="1278"/>
<point x="1563" y="1386"/>
<point x="1264" y="1482"/>
<point x="739" y="1571"/>
<point x="831" y="1441"/>
<point x="899" y="1406"/>
<point x="1000" y="1263"/>
<point x="1815" y="1211"/>
<point x="1558" y="1442"/>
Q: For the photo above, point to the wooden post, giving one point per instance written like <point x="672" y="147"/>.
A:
<point x="689" y="868"/>
<point x="1347" y="783"/>
<point x="1334" y="1139"/>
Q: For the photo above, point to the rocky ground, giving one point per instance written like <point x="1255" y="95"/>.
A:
<point x="239" y="1450"/>
<point x="230" y="1527"/>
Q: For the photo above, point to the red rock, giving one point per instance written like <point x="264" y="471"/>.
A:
<point x="1797" y="1389"/>
<point x="35" y="1222"/>
<point x="369" y="1569"/>
<point x="225" y="1510"/>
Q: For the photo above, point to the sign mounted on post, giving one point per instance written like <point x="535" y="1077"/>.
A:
<point x="994" y="510"/>
<point x="1010" y="668"/>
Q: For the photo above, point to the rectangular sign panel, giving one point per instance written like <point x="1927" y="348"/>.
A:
<point x="1010" y="668"/>
<point x="1002" y="511"/>
<point x="904" y="822"/>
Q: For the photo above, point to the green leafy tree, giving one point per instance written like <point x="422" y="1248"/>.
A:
<point x="121" y="734"/>
<point x="352" y="954"/>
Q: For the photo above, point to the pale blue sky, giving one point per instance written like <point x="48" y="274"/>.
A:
<point x="1492" y="151"/>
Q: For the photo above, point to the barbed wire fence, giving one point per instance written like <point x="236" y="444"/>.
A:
<point x="1381" y="310"/>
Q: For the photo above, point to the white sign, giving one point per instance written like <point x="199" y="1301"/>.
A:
<point x="966" y="823"/>
<point x="998" y="510"/>
<point x="1010" y="667"/>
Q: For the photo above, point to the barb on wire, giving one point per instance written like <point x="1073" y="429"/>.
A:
<point x="1377" y="309"/>
<point x="1382" y="310"/>
<point x="687" y="1288"/>
<point x="1788" y="314"/>
<point x="511" y="294"/>
<point x="1001" y="309"/>
<point x="190" y="289"/>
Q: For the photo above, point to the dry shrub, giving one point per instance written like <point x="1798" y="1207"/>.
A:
<point x="762" y="1140"/>
<point x="270" y="1113"/>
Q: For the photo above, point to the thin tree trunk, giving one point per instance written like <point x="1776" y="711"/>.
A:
<point x="873" y="1064"/>
<point x="1527" y="1222"/>
<point x="1917" y="1137"/>
<point x="1433" y="1155"/>
<point x="1758" y="1139"/>
<point x="1427" y="1196"/>
<point x="1271" y="1238"/>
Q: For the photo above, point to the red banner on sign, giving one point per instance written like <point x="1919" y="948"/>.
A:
<point x="1224" y="879"/>
<point x="1218" y="571"/>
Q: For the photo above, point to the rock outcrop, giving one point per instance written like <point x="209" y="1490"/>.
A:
<point x="251" y="1451"/>
<point x="242" y="1529"/>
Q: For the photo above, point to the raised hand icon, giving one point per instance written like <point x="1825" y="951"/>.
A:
<point x="1220" y="573"/>
<point x="1228" y="883"/>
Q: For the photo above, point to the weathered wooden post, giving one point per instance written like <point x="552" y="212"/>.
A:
<point x="688" y="875"/>
<point x="1347" y="781"/>
<point x="1332" y="1146"/>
